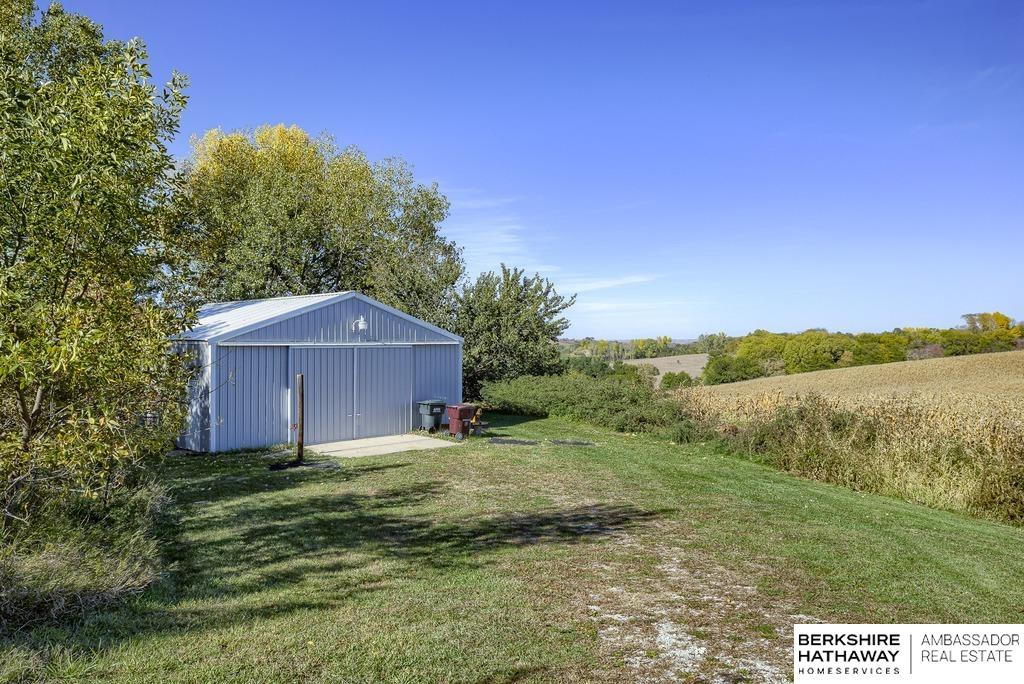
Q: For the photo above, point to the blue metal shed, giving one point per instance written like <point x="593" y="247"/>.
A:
<point x="365" y="365"/>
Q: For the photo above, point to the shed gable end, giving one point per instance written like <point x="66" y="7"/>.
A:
<point x="333" y="323"/>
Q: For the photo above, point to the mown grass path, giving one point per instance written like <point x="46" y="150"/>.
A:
<point x="498" y="563"/>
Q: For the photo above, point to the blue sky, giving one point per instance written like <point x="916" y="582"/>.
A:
<point x="685" y="167"/>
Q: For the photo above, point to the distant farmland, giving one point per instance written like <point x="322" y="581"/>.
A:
<point x="693" y="364"/>
<point x="999" y="375"/>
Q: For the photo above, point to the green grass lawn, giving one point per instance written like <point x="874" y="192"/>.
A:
<point x="497" y="563"/>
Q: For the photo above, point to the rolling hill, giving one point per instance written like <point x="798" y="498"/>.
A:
<point x="991" y="375"/>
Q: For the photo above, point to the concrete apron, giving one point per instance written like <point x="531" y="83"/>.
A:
<point x="377" y="446"/>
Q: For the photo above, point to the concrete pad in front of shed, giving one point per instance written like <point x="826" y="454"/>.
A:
<point x="377" y="446"/>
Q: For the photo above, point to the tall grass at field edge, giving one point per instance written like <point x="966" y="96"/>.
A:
<point x="968" y="459"/>
<point x="907" y="447"/>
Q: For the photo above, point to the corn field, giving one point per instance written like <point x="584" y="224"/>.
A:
<point x="947" y="433"/>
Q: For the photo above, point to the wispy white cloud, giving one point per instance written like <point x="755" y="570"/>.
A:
<point x="998" y="77"/>
<point x="472" y="199"/>
<point x="984" y="88"/>
<point x="489" y="241"/>
<point x="582" y="285"/>
<point x="491" y="232"/>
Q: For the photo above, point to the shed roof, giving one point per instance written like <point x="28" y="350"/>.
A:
<point x="219" y="321"/>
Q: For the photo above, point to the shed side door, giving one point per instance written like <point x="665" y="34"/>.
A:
<point x="383" y="391"/>
<point x="327" y="376"/>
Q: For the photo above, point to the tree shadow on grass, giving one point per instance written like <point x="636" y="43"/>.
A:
<point x="240" y="547"/>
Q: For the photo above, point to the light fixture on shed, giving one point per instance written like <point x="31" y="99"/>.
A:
<point x="359" y="325"/>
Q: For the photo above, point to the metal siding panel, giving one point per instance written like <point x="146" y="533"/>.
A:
<point x="195" y="431"/>
<point x="220" y="377"/>
<point x="226" y="372"/>
<point x="458" y="376"/>
<point x="438" y="375"/>
<point x="251" y="400"/>
<point x="206" y="434"/>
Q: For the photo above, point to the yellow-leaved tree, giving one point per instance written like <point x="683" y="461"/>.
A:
<point x="281" y="212"/>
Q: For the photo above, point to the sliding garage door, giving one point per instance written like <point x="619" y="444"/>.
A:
<point x="328" y="377"/>
<point x="384" y="382"/>
<point x="354" y="392"/>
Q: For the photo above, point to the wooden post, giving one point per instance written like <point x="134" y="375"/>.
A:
<point x="300" y="391"/>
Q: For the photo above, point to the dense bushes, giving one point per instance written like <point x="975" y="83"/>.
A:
<point x="722" y="369"/>
<point x="88" y="391"/>
<point x="619" y="402"/>
<point x="671" y="381"/>
<point x="588" y="365"/>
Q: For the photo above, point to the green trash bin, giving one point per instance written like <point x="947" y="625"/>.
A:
<point x="431" y="411"/>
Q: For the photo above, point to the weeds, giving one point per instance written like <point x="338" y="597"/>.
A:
<point x="70" y="562"/>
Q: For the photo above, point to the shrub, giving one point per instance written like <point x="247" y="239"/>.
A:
<point x="647" y="371"/>
<point x="671" y="381"/>
<point x="722" y="369"/>
<point x="687" y="430"/>
<point x="620" y="403"/>
<point x="588" y="365"/>
<point x="626" y="370"/>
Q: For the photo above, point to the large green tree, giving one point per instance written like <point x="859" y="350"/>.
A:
<point x="86" y="384"/>
<point x="284" y="213"/>
<point x="814" y="350"/>
<point x="511" y="323"/>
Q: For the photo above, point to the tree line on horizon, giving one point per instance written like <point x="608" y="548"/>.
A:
<point x="763" y="353"/>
